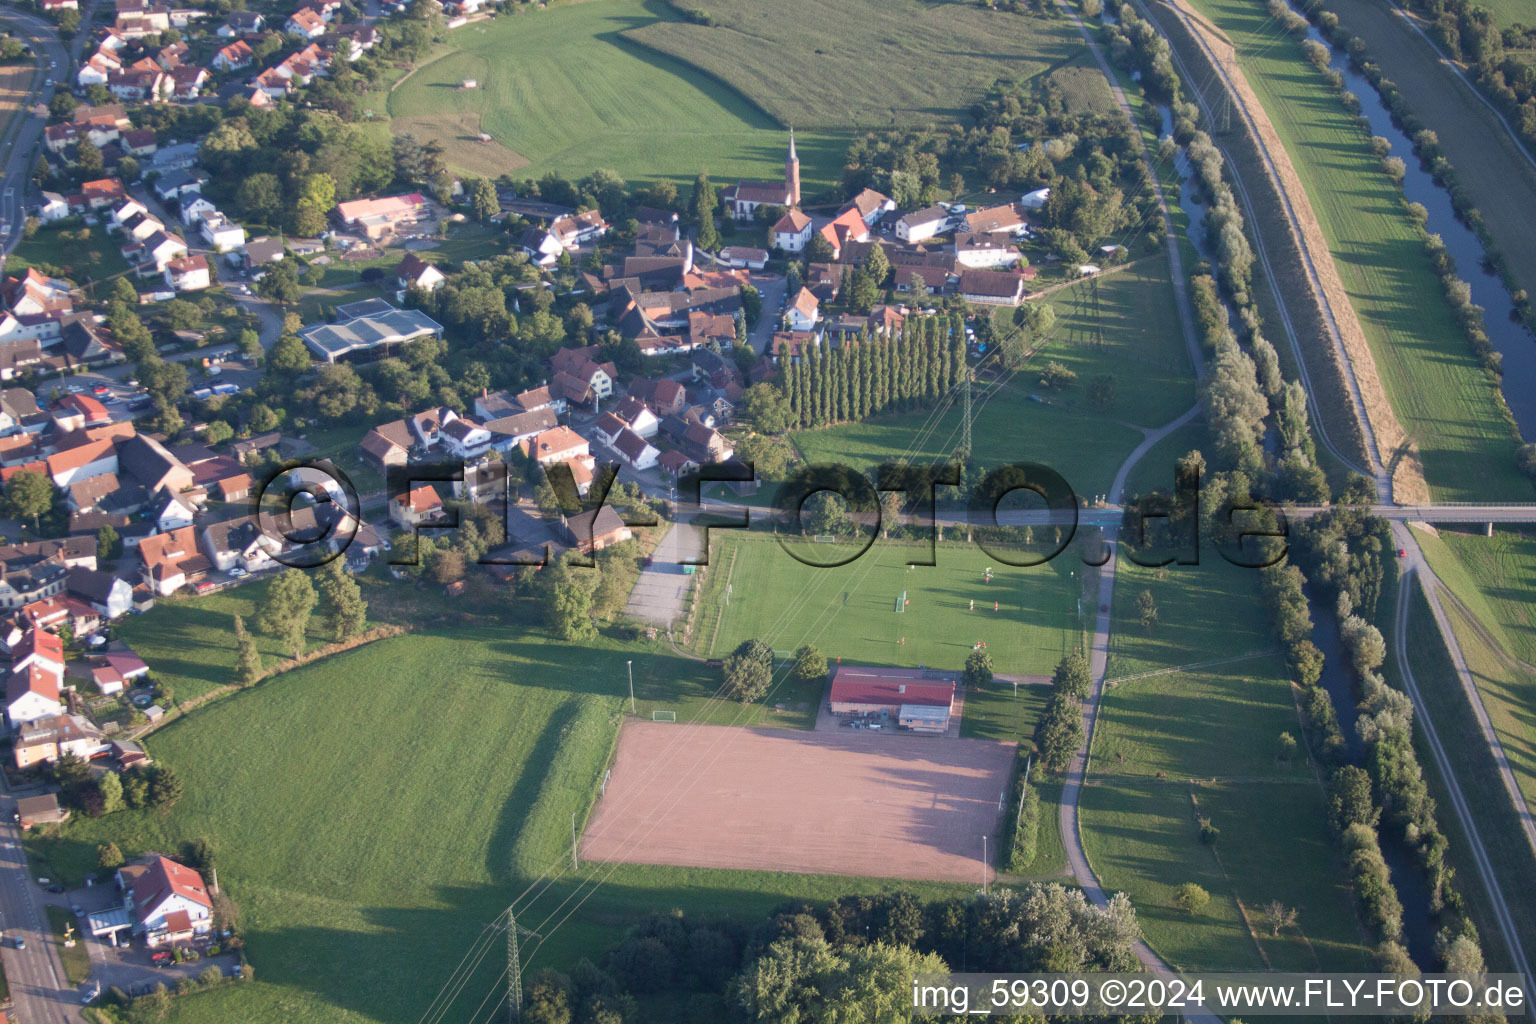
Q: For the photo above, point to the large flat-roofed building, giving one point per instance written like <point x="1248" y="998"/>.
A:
<point x="366" y="338"/>
<point x="920" y="699"/>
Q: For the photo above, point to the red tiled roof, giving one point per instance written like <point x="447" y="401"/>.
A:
<point x="854" y="685"/>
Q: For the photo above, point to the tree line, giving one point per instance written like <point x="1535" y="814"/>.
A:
<point x="848" y="960"/>
<point x="911" y="368"/>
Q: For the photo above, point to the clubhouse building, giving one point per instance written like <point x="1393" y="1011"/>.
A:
<point x="918" y="699"/>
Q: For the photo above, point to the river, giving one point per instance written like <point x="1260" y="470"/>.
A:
<point x="1509" y="337"/>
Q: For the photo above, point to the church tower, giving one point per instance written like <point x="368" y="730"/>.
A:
<point x="792" y="172"/>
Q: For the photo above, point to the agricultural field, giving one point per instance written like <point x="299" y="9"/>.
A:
<point x="894" y="61"/>
<point x="1127" y="328"/>
<point x="1446" y="402"/>
<point x="567" y="90"/>
<point x="850" y="612"/>
<point x="1491" y="579"/>
<point x="1189" y="726"/>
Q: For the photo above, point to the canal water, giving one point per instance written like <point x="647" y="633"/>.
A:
<point x="1407" y="877"/>
<point x="1509" y="337"/>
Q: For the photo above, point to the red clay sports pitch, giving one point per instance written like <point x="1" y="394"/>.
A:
<point x="842" y="803"/>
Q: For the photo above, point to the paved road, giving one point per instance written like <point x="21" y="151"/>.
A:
<point x="35" y="974"/>
<point x="660" y="595"/>
<point x="20" y="144"/>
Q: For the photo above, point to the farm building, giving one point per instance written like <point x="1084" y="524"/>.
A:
<point x="919" y="699"/>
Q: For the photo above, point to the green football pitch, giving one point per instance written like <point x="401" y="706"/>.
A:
<point x="1027" y="617"/>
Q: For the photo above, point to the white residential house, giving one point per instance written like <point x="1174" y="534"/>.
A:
<point x="921" y="225"/>
<point x="638" y="453"/>
<point x="172" y="514"/>
<point x="188" y="274"/>
<point x="792" y="233"/>
<point x="223" y="234"/>
<point x="54" y="207"/>
<point x="124" y="212"/>
<point x="195" y="207"/>
<point x="168" y="901"/>
<point x="803" y="312"/>
<point x="465" y="439"/>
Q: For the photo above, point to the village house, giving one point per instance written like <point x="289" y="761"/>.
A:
<point x="388" y="444"/>
<point x="985" y="250"/>
<point x="418" y="505"/>
<point x="415" y="272"/>
<point x="579" y="364"/>
<point x="595" y="529"/>
<point x="921" y="225"/>
<point x="44" y="740"/>
<point x="35" y="680"/>
<point x="792" y="232"/>
<point x="635" y="451"/>
<point x="168" y="902"/>
<point x="110" y="596"/>
<point x="171" y="560"/>
<point x="188" y="274"/>
<point x="992" y="287"/>
<point x="803" y="312"/>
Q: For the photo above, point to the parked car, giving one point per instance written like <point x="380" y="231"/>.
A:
<point x="17" y="942"/>
<point x="101" y="389"/>
<point x="161" y="957"/>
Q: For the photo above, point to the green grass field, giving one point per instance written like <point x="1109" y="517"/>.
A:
<point x="1493" y="577"/>
<point x="1130" y="332"/>
<point x="567" y="90"/>
<point x="189" y="643"/>
<point x="849" y="612"/>
<point x="419" y="783"/>
<point x="1204" y="740"/>
<point x="1445" y="401"/>
<point x="902" y="61"/>
<point x="81" y="260"/>
<point x="1473" y="763"/>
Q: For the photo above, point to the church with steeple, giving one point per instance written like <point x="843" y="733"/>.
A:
<point x="743" y="199"/>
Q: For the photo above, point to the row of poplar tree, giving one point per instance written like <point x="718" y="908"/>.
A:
<point x="907" y="369"/>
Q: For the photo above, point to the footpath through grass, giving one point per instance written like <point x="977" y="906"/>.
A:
<point x="1186" y="743"/>
<point x="1126" y="328"/>
<point x="566" y="90"/>
<point x="1447" y="403"/>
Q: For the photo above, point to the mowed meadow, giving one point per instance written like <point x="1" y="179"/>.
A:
<point x="1447" y="403"/>
<point x="864" y="63"/>
<point x="565" y="90"/>
<point x="1189" y="726"/>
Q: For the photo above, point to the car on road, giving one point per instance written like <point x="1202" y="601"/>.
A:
<point x="101" y="389"/>
<point x="1402" y="552"/>
<point x="10" y="191"/>
<point x="77" y="910"/>
<point x="17" y="942"/>
<point x="56" y="888"/>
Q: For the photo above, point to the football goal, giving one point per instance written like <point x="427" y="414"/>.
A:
<point x="663" y="716"/>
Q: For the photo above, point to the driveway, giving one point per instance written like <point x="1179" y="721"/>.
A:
<point x="660" y="596"/>
<point x="772" y="288"/>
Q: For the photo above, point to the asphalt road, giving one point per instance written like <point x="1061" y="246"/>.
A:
<point x="21" y="142"/>
<point x="35" y="974"/>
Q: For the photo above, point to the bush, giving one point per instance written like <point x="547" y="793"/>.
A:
<point x="1191" y="898"/>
